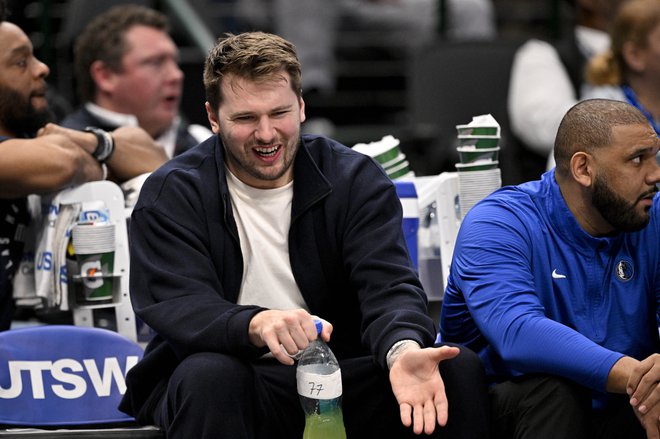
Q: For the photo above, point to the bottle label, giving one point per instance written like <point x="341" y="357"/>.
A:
<point x="319" y="386"/>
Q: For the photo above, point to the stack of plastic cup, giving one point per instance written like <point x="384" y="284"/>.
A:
<point x="388" y="154"/>
<point x="93" y="240"/>
<point x="478" y="151"/>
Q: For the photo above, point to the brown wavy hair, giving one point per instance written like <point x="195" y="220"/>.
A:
<point x="635" y="20"/>
<point x="103" y="40"/>
<point x="257" y="56"/>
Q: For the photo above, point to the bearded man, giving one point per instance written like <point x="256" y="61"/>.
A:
<point x="556" y="284"/>
<point x="57" y="158"/>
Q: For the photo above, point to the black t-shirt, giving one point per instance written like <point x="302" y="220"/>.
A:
<point x="14" y="219"/>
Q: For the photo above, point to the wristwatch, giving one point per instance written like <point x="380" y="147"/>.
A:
<point x="105" y="144"/>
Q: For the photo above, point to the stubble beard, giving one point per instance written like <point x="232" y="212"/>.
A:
<point x="287" y="160"/>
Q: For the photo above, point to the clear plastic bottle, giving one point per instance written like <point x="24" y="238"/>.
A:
<point x="320" y="390"/>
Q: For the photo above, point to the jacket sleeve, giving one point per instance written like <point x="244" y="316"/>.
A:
<point x="175" y="286"/>
<point x="492" y="267"/>
<point x="391" y="299"/>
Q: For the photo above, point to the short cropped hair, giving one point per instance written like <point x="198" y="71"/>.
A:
<point x="103" y="40"/>
<point x="256" y="56"/>
<point x="588" y="125"/>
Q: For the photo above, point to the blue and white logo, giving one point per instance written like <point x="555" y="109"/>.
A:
<point x="624" y="270"/>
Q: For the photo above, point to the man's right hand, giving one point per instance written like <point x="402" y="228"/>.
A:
<point x="285" y="332"/>
<point x="650" y="421"/>
<point x="643" y="387"/>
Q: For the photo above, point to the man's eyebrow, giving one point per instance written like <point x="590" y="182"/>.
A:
<point x="23" y="49"/>
<point x="250" y="113"/>
<point x="644" y="150"/>
<point x="282" y="107"/>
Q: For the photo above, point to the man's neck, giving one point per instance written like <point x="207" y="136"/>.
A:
<point x="578" y="201"/>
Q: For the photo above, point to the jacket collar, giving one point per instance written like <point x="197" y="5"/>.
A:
<point x="566" y="224"/>
<point x="309" y="183"/>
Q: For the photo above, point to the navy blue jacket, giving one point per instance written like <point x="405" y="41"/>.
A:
<point x="346" y="245"/>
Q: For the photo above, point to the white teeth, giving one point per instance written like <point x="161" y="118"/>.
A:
<point x="267" y="151"/>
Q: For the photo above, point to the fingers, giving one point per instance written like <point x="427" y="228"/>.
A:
<point x="418" y="419"/>
<point x="648" y="400"/>
<point x="326" y="331"/>
<point x="643" y="385"/>
<point x="443" y="353"/>
<point x="638" y="373"/>
<point x="442" y="410"/>
<point x="405" y="411"/>
<point x="285" y="339"/>
<point x="650" y="421"/>
<point x="285" y="333"/>
<point x="424" y="418"/>
<point x="448" y="352"/>
<point x="651" y="429"/>
<point x="429" y="418"/>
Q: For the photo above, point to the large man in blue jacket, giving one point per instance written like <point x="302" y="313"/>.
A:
<point x="556" y="283"/>
<point x="238" y="242"/>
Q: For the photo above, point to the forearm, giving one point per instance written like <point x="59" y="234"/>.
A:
<point x="617" y="380"/>
<point x="541" y="345"/>
<point x="135" y="153"/>
<point x="45" y="164"/>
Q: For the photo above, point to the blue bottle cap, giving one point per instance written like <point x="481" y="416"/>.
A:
<point x="319" y="326"/>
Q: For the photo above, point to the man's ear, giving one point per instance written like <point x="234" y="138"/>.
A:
<point x="213" y="118"/>
<point x="582" y="169"/>
<point x="302" y="110"/>
<point x="634" y="56"/>
<point x="103" y="76"/>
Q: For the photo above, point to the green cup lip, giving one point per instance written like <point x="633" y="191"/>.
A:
<point x="472" y="136"/>
<point x="399" y="170"/>
<point x="478" y="130"/>
<point x="473" y="148"/>
<point x="382" y="151"/>
<point x="400" y="158"/>
<point x="479" y="142"/>
<point x="398" y="174"/>
<point x="478" y="155"/>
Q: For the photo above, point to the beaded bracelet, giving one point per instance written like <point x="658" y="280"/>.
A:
<point x="105" y="144"/>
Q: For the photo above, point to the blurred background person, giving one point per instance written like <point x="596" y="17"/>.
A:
<point x="57" y="158"/>
<point x="128" y="75"/>
<point x="547" y="78"/>
<point x="630" y="70"/>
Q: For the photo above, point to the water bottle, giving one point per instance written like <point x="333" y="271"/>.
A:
<point x="319" y="387"/>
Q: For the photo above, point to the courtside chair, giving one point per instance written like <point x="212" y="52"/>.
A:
<point x="66" y="381"/>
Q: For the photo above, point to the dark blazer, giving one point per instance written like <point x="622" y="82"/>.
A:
<point x="82" y="118"/>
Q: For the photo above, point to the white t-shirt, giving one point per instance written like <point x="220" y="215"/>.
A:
<point x="263" y="217"/>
